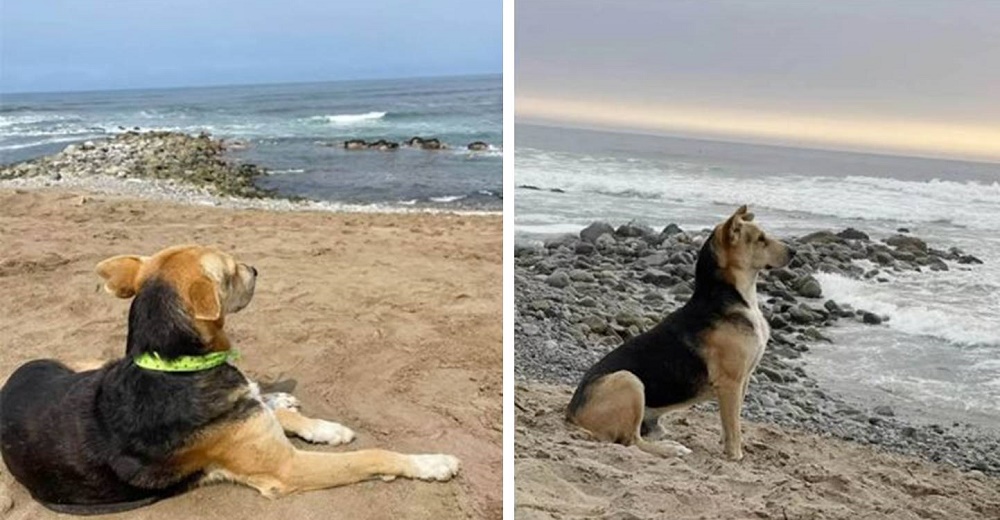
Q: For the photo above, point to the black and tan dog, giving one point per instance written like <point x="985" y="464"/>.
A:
<point x="123" y="435"/>
<point x="707" y="348"/>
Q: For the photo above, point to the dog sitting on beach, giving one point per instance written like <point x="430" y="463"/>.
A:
<point x="173" y="413"/>
<point x="707" y="348"/>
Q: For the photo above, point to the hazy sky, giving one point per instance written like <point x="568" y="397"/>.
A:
<point x="102" y="44"/>
<point x="899" y="76"/>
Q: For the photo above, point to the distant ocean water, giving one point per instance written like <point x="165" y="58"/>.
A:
<point x="289" y="127"/>
<point x="938" y="358"/>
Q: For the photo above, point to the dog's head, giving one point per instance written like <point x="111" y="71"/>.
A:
<point x="741" y="244"/>
<point x="203" y="283"/>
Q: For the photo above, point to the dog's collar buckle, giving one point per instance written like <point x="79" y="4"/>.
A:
<point x="153" y="361"/>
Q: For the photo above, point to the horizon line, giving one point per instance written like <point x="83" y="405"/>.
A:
<point x="687" y="137"/>
<point x="894" y="137"/>
<point x="252" y="84"/>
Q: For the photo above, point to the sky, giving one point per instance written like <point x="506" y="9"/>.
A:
<point x="908" y="77"/>
<point x="70" y="45"/>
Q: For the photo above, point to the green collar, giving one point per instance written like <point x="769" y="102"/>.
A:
<point x="153" y="361"/>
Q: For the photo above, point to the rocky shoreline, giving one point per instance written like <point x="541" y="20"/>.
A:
<point x="579" y="296"/>
<point x="198" y="161"/>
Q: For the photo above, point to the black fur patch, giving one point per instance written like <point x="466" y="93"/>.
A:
<point x="102" y="441"/>
<point x="668" y="358"/>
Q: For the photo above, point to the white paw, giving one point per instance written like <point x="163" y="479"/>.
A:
<point x="434" y="467"/>
<point x="326" y="432"/>
<point x="673" y="448"/>
<point x="280" y="400"/>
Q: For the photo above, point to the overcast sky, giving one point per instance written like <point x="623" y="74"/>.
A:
<point x="67" y="45"/>
<point x="900" y="76"/>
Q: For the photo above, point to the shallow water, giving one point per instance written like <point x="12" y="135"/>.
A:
<point x="940" y="350"/>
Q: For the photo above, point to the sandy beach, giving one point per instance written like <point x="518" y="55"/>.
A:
<point x="387" y="323"/>
<point x="786" y="474"/>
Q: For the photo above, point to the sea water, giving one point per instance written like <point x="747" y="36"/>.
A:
<point x="296" y="131"/>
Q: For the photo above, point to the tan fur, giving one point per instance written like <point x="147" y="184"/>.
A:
<point x="256" y="453"/>
<point x="614" y="411"/>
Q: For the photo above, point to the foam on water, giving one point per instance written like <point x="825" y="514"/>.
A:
<point x="347" y="119"/>
<point x="919" y="317"/>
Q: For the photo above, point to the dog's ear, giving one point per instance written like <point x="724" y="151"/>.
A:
<point x="204" y="300"/>
<point x="120" y="274"/>
<point x="734" y="225"/>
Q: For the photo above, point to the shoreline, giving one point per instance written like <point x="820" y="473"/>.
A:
<point x="579" y="296"/>
<point x="176" y="167"/>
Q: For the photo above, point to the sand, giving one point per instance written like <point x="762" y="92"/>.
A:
<point x="389" y="324"/>
<point x="561" y="473"/>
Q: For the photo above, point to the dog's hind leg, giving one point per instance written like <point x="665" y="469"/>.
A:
<point x="614" y="411"/>
<point x="255" y="452"/>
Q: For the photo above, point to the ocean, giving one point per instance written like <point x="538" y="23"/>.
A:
<point x="296" y="132"/>
<point x="937" y="358"/>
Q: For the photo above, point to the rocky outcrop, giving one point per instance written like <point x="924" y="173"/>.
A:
<point x="195" y="160"/>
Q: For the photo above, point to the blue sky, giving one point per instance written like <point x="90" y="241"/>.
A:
<point x="68" y="45"/>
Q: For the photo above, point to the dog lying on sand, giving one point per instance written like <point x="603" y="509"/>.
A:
<point x="707" y="348"/>
<point x="173" y="413"/>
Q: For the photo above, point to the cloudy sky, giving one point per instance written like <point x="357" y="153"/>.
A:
<point x="66" y="45"/>
<point x="896" y="76"/>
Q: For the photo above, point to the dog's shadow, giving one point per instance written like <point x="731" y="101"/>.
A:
<point x="278" y="385"/>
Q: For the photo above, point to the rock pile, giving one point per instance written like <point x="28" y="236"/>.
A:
<point x="579" y="296"/>
<point x="195" y="160"/>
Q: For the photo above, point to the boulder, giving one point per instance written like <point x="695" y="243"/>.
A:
<point x="592" y="232"/>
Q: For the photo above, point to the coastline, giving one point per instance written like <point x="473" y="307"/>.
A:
<point x="175" y="167"/>
<point x="407" y="353"/>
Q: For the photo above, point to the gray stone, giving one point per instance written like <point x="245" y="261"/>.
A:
<point x="809" y="287"/>
<point x="633" y="229"/>
<point x="907" y="242"/>
<point x="853" y="234"/>
<point x="671" y="230"/>
<point x="592" y="232"/>
<point x="884" y="410"/>
<point x="559" y="279"/>
<point x="581" y="275"/>
<point x="871" y="318"/>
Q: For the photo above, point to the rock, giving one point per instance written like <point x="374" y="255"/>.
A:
<point x="560" y="241"/>
<point x="821" y="237"/>
<point x="626" y="318"/>
<point x="587" y="301"/>
<point x="657" y="277"/>
<point x="853" y="234"/>
<point x="808" y="286"/>
<point x="670" y="230"/>
<point x="558" y="279"/>
<point x="802" y="314"/>
<point x="605" y="242"/>
<point x="633" y="230"/>
<point x="592" y="232"/>
<point x="581" y="275"/>
<point x="478" y="146"/>
<point x="596" y="323"/>
<point x="870" y="318"/>
<point x="585" y="248"/>
<point x="907" y="243"/>
<point x="540" y="305"/>
<point x="654" y="260"/>
<point x="969" y="259"/>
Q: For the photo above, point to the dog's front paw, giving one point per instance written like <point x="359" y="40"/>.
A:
<point x="434" y="467"/>
<point x="734" y="454"/>
<point x="277" y="400"/>
<point x="327" y="432"/>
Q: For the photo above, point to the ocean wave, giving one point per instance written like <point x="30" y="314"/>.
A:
<point x="952" y="323"/>
<point x="348" y="119"/>
<point x="447" y="198"/>
<point x="970" y="204"/>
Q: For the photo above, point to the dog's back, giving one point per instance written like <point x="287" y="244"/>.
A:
<point x="51" y="443"/>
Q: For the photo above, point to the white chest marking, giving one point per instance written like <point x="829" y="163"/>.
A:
<point x="761" y="328"/>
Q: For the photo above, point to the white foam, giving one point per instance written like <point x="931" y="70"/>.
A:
<point x="968" y="204"/>
<point x="447" y="198"/>
<point x="347" y="119"/>
<point x="911" y="315"/>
